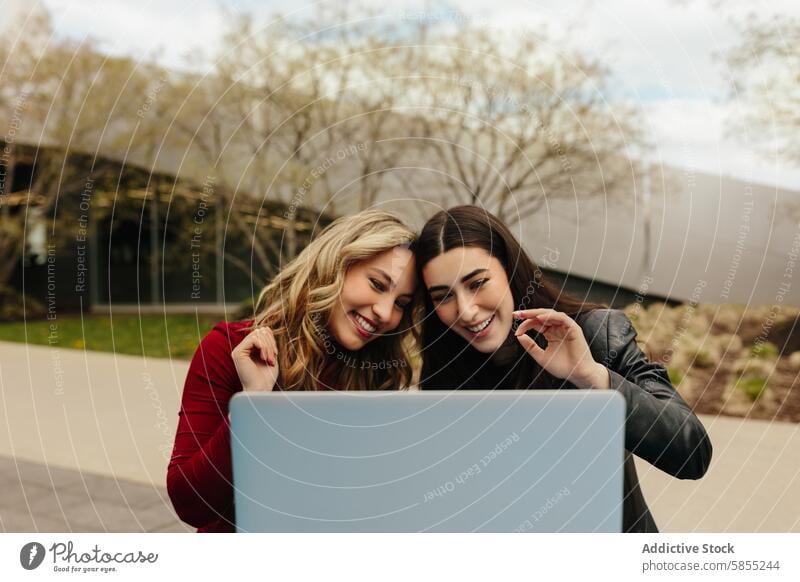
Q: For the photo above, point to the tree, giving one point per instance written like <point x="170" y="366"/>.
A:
<point x="765" y="89"/>
<point x="765" y="84"/>
<point x="286" y="115"/>
<point x="72" y="99"/>
<point x="505" y="122"/>
<point x="512" y="124"/>
<point x="338" y="113"/>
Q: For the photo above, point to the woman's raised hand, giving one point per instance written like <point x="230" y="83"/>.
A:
<point x="256" y="360"/>
<point x="567" y="355"/>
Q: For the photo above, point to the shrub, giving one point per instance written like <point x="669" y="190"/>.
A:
<point x="675" y="376"/>
<point x="730" y="343"/>
<point x="752" y="386"/>
<point x="753" y="367"/>
<point x="11" y="306"/>
<point x="765" y="351"/>
<point x="703" y="359"/>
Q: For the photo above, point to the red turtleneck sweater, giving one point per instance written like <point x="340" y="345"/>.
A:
<point x="199" y="475"/>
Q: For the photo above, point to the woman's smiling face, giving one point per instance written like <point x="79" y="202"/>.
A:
<point x="375" y="295"/>
<point x="471" y="295"/>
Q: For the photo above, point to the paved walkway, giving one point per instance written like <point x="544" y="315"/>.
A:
<point x="88" y="436"/>
<point x="753" y="484"/>
<point x="108" y="414"/>
<point x="87" y="440"/>
<point x="38" y="498"/>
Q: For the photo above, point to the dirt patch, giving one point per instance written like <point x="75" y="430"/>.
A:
<point x="714" y="392"/>
<point x="728" y="360"/>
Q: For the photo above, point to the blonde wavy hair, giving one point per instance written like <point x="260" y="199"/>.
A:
<point x="298" y="302"/>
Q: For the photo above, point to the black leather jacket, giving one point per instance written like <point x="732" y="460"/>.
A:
<point x="660" y="427"/>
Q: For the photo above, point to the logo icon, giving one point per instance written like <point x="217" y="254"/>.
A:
<point x="31" y="555"/>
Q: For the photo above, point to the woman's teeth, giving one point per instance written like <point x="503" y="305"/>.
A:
<point x="365" y="324"/>
<point x="481" y="326"/>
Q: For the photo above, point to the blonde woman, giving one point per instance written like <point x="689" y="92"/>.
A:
<point x="337" y="317"/>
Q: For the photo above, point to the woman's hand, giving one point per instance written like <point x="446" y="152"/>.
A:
<point x="567" y="355"/>
<point x="256" y="360"/>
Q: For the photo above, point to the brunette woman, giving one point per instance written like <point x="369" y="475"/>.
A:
<point x="492" y="321"/>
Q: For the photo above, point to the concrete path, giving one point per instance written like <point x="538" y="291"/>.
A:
<point x="753" y="484"/>
<point x="104" y="426"/>
<point x="103" y="413"/>
<point x="38" y="498"/>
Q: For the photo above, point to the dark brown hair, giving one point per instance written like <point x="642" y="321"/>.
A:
<point x="448" y="361"/>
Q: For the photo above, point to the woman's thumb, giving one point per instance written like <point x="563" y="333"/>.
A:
<point x="530" y="346"/>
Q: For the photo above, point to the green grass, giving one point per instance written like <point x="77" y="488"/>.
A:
<point x="146" y="335"/>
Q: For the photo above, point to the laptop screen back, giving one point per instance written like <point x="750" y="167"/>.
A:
<point x="460" y="461"/>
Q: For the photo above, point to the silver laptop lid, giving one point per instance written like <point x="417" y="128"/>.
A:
<point x="460" y="461"/>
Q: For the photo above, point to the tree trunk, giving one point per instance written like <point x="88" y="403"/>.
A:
<point x="9" y="248"/>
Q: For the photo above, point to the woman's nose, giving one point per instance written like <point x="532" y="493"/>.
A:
<point x="383" y="310"/>
<point x="466" y="309"/>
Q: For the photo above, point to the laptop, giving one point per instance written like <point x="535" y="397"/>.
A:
<point x="438" y="461"/>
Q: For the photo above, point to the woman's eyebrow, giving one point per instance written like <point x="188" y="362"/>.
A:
<point x="464" y="279"/>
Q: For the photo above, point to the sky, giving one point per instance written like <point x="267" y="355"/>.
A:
<point x="666" y="55"/>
